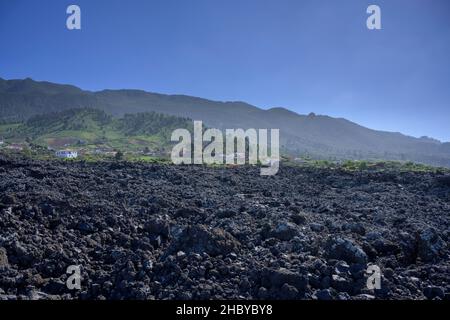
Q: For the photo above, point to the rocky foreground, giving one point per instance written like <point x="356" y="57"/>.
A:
<point x="142" y="231"/>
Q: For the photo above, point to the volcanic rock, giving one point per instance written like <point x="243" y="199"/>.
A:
<point x="213" y="241"/>
<point x="432" y="292"/>
<point x="344" y="249"/>
<point x="277" y="278"/>
<point x="158" y="231"/>
<point x="285" y="231"/>
<point x="158" y="226"/>
<point x="430" y="245"/>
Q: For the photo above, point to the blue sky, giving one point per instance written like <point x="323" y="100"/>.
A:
<point x="304" y="55"/>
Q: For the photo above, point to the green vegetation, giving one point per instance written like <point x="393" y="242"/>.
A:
<point x="142" y="137"/>
<point x="8" y="128"/>
<point x="363" y="165"/>
<point x="92" y="131"/>
<point x="352" y="165"/>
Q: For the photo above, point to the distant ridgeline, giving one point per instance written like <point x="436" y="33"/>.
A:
<point x="314" y="136"/>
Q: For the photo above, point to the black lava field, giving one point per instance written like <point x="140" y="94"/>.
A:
<point x="158" y="231"/>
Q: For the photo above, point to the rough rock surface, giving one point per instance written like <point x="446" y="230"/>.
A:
<point x="344" y="249"/>
<point x="141" y="231"/>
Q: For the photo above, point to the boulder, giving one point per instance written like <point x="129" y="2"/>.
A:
<point x="324" y="294"/>
<point x="226" y="213"/>
<point x="288" y="292"/>
<point x="341" y="284"/>
<point x="344" y="249"/>
<point x="299" y="218"/>
<point x="213" y="241"/>
<point x="277" y="278"/>
<point x="285" y="231"/>
<point x="317" y="227"/>
<point x="430" y="245"/>
<point x="158" y="227"/>
<point x="187" y="212"/>
<point x="432" y="292"/>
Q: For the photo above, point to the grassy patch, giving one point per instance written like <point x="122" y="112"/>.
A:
<point x="363" y="165"/>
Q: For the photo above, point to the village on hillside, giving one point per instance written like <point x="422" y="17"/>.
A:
<point x="80" y="150"/>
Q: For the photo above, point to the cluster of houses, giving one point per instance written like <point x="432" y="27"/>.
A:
<point x="12" y="146"/>
<point x="68" y="153"/>
<point x="71" y="154"/>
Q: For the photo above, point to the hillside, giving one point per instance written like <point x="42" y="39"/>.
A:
<point x="94" y="129"/>
<point x="313" y="135"/>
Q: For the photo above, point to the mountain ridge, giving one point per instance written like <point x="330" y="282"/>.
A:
<point x="318" y="136"/>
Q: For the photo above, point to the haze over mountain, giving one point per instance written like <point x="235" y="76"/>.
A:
<point x="314" y="135"/>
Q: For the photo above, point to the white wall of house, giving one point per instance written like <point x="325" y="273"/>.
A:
<point x="67" y="154"/>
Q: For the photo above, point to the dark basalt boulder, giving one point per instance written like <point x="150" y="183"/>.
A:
<point x="213" y="241"/>
<point x="344" y="249"/>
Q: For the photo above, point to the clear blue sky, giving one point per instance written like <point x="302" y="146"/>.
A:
<point x="313" y="55"/>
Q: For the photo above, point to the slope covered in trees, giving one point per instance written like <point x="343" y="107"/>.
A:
<point x="93" y="127"/>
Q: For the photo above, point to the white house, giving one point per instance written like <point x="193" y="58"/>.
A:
<point x="67" y="154"/>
